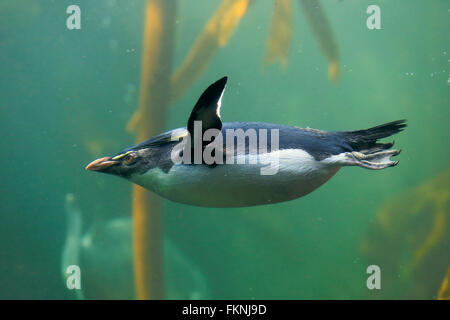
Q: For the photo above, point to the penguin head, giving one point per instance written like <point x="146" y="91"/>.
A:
<point x="123" y="164"/>
<point x="156" y="152"/>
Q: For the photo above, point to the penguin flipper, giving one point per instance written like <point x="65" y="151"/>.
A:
<point x="207" y="108"/>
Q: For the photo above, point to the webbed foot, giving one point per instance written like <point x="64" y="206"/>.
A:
<point x="374" y="161"/>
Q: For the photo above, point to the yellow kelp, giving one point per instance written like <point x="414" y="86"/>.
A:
<point x="410" y="237"/>
<point x="279" y="40"/>
<point x="156" y="62"/>
<point x="216" y="34"/>
<point x="147" y="121"/>
<point x="444" y="291"/>
<point x="322" y="30"/>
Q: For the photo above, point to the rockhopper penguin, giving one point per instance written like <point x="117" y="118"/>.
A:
<point x="237" y="164"/>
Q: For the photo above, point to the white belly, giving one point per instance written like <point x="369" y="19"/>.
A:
<point x="240" y="185"/>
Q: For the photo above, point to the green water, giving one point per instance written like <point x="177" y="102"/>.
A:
<point x="66" y="96"/>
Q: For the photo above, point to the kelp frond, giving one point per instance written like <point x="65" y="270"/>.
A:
<point x="279" y="40"/>
<point x="321" y="28"/>
<point x="216" y="34"/>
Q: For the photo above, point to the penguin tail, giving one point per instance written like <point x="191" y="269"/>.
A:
<point x="367" y="151"/>
<point x="366" y="140"/>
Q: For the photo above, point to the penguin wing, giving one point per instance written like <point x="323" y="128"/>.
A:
<point x="207" y="108"/>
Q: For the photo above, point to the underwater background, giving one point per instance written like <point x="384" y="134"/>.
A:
<point x="66" y="97"/>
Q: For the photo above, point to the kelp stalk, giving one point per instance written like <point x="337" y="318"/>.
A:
<point x="147" y="121"/>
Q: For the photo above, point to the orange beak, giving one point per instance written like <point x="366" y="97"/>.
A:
<point x="100" y="164"/>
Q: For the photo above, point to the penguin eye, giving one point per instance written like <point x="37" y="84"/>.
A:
<point x="129" y="159"/>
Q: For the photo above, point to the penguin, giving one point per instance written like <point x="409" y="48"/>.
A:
<point x="211" y="163"/>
